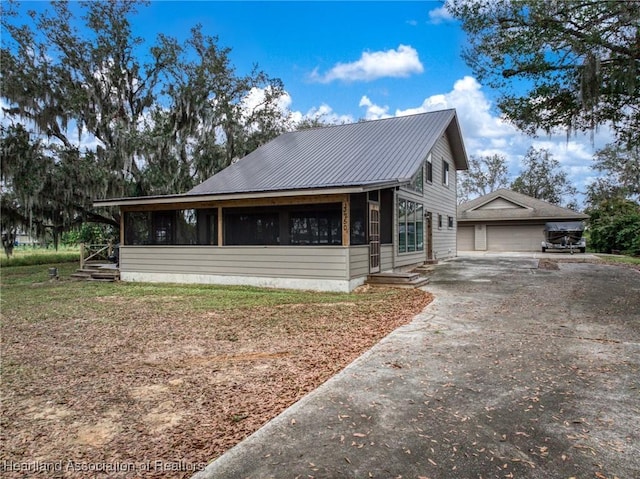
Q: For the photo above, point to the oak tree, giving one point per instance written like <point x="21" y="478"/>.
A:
<point x="112" y="114"/>
<point x="573" y="65"/>
<point x="485" y="174"/>
<point x="543" y="178"/>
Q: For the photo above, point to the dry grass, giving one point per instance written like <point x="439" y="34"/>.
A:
<point x="160" y="379"/>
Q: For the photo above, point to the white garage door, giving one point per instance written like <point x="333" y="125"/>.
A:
<point x="514" y="238"/>
<point x="465" y="238"/>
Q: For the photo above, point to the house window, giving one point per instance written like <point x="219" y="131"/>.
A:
<point x="420" y="227"/>
<point x="429" y="165"/>
<point x="402" y="226"/>
<point x="439" y="221"/>
<point x="445" y="173"/>
<point x="418" y="181"/>
<point x="410" y="226"/>
<point x="315" y="228"/>
<point x="252" y="228"/>
<point x="450" y="222"/>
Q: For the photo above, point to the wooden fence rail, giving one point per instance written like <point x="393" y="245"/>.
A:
<point x="95" y="251"/>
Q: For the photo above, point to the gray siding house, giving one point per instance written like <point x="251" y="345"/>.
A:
<point x="316" y="209"/>
<point x="505" y="220"/>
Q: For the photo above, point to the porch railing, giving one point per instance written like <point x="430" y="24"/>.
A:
<point x="95" y="252"/>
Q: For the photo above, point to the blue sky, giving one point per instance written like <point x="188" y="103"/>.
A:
<point x="345" y="61"/>
<point x="303" y="43"/>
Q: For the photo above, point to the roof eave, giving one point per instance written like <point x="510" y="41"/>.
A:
<point x="213" y="197"/>
<point x="577" y="217"/>
<point x="457" y="144"/>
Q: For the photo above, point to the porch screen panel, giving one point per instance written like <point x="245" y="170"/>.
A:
<point x="137" y="228"/>
<point x="358" y="214"/>
<point x="162" y="228"/>
<point x="207" y="227"/>
<point x="315" y="228"/>
<point x="386" y="216"/>
<point x="252" y="229"/>
<point x="186" y="227"/>
<point x="171" y="227"/>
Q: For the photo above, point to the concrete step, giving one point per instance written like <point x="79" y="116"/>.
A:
<point x="397" y="280"/>
<point x="392" y="277"/>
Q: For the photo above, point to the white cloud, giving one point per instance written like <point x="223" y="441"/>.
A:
<point x="325" y="114"/>
<point x="440" y="15"/>
<point x="255" y="100"/>
<point x="486" y="133"/>
<point x="374" y="112"/>
<point x="473" y="109"/>
<point x="399" y="63"/>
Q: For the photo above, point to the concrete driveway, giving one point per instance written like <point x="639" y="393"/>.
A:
<point x="514" y="371"/>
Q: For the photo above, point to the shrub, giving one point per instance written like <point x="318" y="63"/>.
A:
<point x="615" y="226"/>
<point x="89" y="233"/>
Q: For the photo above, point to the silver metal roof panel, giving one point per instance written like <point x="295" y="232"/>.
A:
<point x="338" y="156"/>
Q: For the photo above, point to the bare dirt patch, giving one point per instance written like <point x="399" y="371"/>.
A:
<point x="548" y="264"/>
<point x="161" y="384"/>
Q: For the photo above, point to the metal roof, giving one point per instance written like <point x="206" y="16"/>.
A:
<point x="357" y="154"/>
<point x="524" y="208"/>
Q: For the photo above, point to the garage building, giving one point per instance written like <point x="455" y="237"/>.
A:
<point x="507" y="221"/>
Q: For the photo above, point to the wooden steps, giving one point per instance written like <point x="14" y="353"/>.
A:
<point x="397" y="280"/>
<point x="97" y="272"/>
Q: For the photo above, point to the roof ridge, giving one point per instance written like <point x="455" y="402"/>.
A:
<point x="375" y="120"/>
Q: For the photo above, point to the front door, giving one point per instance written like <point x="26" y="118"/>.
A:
<point x="374" y="237"/>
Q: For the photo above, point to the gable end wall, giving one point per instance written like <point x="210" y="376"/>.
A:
<point x="438" y="199"/>
<point x="442" y="200"/>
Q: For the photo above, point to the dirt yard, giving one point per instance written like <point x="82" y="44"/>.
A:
<point x="513" y="371"/>
<point x="149" y="381"/>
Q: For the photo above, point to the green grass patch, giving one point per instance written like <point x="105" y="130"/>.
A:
<point x="29" y="288"/>
<point x="28" y="256"/>
<point x="20" y="275"/>
<point x="610" y="258"/>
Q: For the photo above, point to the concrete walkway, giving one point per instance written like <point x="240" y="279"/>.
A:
<point x="512" y="372"/>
